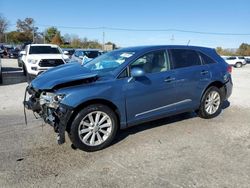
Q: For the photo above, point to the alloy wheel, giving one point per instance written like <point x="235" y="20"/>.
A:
<point x="95" y="128"/>
<point x="212" y="102"/>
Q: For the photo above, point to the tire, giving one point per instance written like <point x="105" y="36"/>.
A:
<point x="28" y="78"/>
<point x="82" y="130"/>
<point x="1" y="77"/>
<point x="238" y="65"/>
<point x="204" y="110"/>
<point x="24" y="70"/>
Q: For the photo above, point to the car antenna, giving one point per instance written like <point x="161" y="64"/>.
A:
<point x="188" y="42"/>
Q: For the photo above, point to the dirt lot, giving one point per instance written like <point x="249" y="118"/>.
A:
<point x="180" y="151"/>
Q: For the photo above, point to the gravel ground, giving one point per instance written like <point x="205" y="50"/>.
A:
<point x="179" y="151"/>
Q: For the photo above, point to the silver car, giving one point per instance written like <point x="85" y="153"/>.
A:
<point x="85" y="55"/>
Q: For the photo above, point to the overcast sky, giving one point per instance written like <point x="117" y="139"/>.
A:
<point x="220" y="17"/>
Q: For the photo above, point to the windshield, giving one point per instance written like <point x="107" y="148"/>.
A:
<point x="44" y="50"/>
<point x="108" y="62"/>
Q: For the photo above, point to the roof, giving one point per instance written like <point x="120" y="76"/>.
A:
<point x="82" y="49"/>
<point x="54" y="45"/>
<point x="155" y="47"/>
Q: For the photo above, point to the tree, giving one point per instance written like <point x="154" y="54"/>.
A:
<point x="50" y="33"/>
<point x="244" y="49"/>
<point x="3" y="27"/>
<point x="57" y="39"/>
<point x="27" y="25"/>
<point x="27" y="30"/>
<point x="18" y="37"/>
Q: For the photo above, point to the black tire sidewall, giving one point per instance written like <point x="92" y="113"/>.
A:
<point x="202" y="112"/>
<point x="240" y="65"/>
<point x="74" y="137"/>
<point x="1" y="77"/>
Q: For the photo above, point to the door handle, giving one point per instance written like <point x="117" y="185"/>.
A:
<point x="169" y="79"/>
<point x="204" y="72"/>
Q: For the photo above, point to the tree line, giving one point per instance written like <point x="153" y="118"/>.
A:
<point x="27" y="32"/>
<point x="242" y="50"/>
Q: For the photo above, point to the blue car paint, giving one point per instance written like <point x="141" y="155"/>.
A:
<point x="145" y="98"/>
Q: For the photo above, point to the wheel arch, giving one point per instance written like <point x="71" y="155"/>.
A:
<point x="90" y="102"/>
<point x="219" y="85"/>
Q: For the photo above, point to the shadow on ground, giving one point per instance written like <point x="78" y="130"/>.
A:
<point x="157" y="123"/>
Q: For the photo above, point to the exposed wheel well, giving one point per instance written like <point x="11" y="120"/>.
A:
<point x="219" y="85"/>
<point x="94" y="101"/>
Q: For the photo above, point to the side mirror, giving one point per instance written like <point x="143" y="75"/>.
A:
<point x="23" y="52"/>
<point x="81" y="57"/>
<point x="66" y="52"/>
<point x="137" y="72"/>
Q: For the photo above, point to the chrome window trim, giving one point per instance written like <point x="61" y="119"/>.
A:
<point x="162" y="107"/>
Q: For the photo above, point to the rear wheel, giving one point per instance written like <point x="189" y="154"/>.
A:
<point x="211" y="103"/>
<point x="94" y="128"/>
<point x="1" y="77"/>
<point x="238" y="65"/>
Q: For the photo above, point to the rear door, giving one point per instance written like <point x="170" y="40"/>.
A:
<point x="191" y="77"/>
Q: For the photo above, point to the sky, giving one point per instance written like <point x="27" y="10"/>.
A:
<point x="146" y="22"/>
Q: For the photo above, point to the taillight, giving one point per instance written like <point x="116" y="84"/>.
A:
<point x="229" y="69"/>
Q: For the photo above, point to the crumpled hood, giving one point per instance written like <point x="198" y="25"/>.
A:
<point x="60" y="75"/>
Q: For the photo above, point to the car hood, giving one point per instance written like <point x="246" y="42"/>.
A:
<point x="46" y="56"/>
<point x="63" y="76"/>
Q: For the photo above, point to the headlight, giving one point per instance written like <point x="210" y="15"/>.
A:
<point x="51" y="100"/>
<point x="33" y="61"/>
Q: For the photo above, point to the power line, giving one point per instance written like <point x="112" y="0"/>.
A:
<point x="145" y="30"/>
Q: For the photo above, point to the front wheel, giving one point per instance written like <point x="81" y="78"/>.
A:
<point x="211" y="103"/>
<point x="94" y="128"/>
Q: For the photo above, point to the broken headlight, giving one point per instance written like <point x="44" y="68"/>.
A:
<point x="51" y="100"/>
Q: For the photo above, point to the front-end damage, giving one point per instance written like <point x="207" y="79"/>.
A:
<point x="46" y="104"/>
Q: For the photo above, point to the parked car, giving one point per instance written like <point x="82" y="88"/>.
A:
<point x="236" y="61"/>
<point x="69" y="51"/>
<point x="85" y="55"/>
<point x="247" y="58"/>
<point x="1" y="74"/>
<point x="13" y="53"/>
<point x="126" y="87"/>
<point x="38" y="58"/>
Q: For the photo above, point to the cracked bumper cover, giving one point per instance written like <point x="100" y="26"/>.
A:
<point x="57" y="118"/>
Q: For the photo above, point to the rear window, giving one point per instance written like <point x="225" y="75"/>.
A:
<point x="206" y="59"/>
<point x="184" y="58"/>
<point x="241" y="57"/>
<point x="44" y="50"/>
<point x="91" y="54"/>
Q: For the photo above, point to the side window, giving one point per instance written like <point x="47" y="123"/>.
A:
<point x="206" y="59"/>
<point x="76" y="53"/>
<point x="152" y="62"/>
<point x="124" y="74"/>
<point x="231" y="58"/>
<point x="184" y="58"/>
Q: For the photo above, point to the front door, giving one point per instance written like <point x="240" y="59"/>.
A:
<point x="154" y="94"/>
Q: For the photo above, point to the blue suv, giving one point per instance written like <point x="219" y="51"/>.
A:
<point x="126" y="87"/>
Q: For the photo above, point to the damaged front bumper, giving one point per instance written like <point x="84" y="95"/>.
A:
<point x="53" y="113"/>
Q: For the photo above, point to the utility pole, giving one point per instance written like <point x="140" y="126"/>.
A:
<point x="44" y="41"/>
<point x="103" y="40"/>
<point x="172" y="39"/>
<point x="6" y="39"/>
